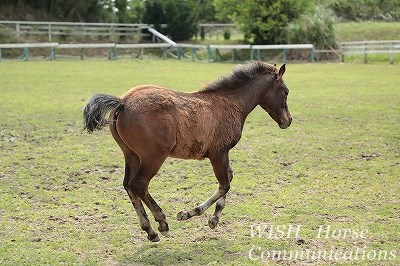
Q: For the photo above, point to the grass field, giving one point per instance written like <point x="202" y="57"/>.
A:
<point x="338" y="165"/>
<point x="367" y="30"/>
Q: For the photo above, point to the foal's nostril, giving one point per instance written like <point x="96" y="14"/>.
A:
<point x="290" y="121"/>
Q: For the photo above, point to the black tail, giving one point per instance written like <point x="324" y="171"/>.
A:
<point x="96" y="109"/>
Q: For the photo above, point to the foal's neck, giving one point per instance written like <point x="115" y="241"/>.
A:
<point x="249" y="96"/>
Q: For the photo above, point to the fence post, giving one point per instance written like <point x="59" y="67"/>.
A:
<point x="113" y="54"/>
<point x="342" y="51"/>
<point x="218" y="55"/>
<point x="49" y="32"/>
<point x="179" y="51"/>
<point x="209" y="54"/>
<point x="52" y="53"/>
<point x="313" y="54"/>
<point x="392" y="54"/>
<point x="284" y="55"/>
<point x="194" y="54"/>
<point x="365" y="53"/>
<point x="141" y="53"/>
<point x="17" y="29"/>
<point x="25" y="54"/>
<point x="0" y="55"/>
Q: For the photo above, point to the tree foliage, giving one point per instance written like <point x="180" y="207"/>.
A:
<point x="314" y="27"/>
<point x="177" y="15"/>
<point x="262" y="21"/>
<point x="123" y="11"/>
<point x="67" y="10"/>
<point x="388" y="10"/>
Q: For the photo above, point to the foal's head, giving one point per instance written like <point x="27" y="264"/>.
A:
<point x="274" y="100"/>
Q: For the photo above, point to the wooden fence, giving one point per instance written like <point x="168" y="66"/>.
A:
<point x="176" y="50"/>
<point x="52" y="29"/>
<point x="112" y="31"/>
<point x="370" y="47"/>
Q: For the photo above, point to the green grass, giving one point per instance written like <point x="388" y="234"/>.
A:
<point x="367" y="31"/>
<point x="62" y="200"/>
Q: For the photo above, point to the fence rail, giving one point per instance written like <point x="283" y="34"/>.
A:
<point x="255" y="50"/>
<point x="174" y="49"/>
<point x="365" y="48"/>
<point x="51" y="29"/>
<point x="80" y="29"/>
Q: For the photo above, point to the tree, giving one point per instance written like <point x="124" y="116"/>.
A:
<point x="262" y="21"/>
<point x="367" y="9"/>
<point x="204" y="10"/>
<point x="135" y="10"/>
<point x="154" y="13"/>
<point x="178" y="15"/>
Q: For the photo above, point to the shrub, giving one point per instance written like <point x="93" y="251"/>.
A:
<point x="314" y="27"/>
<point x="227" y="34"/>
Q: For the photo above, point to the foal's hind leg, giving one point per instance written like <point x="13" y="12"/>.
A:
<point x="220" y="165"/>
<point x="220" y="205"/>
<point x="132" y="162"/>
<point x="139" y="185"/>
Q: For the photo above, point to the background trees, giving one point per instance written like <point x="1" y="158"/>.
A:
<point x="179" y="16"/>
<point x="262" y="21"/>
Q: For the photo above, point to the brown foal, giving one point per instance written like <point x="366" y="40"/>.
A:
<point x="151" y="123"/>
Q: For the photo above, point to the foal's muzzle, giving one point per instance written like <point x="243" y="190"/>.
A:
<point x="286" y="123"/>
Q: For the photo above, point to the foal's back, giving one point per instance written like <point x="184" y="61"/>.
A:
<point x="184" y="125"/>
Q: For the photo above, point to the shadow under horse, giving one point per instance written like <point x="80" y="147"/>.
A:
<point x="151" y="123"/>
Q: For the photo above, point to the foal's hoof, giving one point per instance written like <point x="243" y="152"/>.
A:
<point x="164" y="229"/>
<point x="213" y="221"/>
<point x="153" y="238"/>
<point x="165" y="233"/>
<point x="183" y="215"/>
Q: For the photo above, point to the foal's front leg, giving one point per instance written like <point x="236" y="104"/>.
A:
<point x="220" y="205"/>
<point x="220" y="164"/>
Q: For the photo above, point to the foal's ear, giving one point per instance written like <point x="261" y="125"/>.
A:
<point x="274" y="65"/>
<point x="281" y="71"/>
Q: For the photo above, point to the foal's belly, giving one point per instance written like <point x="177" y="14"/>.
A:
<point x="189" y="150"/>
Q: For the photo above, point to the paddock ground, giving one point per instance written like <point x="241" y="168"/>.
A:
<point x="337" y="166"/>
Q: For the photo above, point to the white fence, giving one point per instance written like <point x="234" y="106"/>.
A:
<point x="110" y="30"/>
<point x="370" y="47"/>
<point x="52" y="29"/>
<point x="177" y="50"/>
<point x="52" y="50"/>
<point x="255" y="50"/>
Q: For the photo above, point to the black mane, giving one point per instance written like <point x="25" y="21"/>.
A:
<point x="240" y="76"/>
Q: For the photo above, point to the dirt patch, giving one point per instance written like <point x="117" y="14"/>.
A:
<point x="98" y="169"/>
<point x="370" y="156"/>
